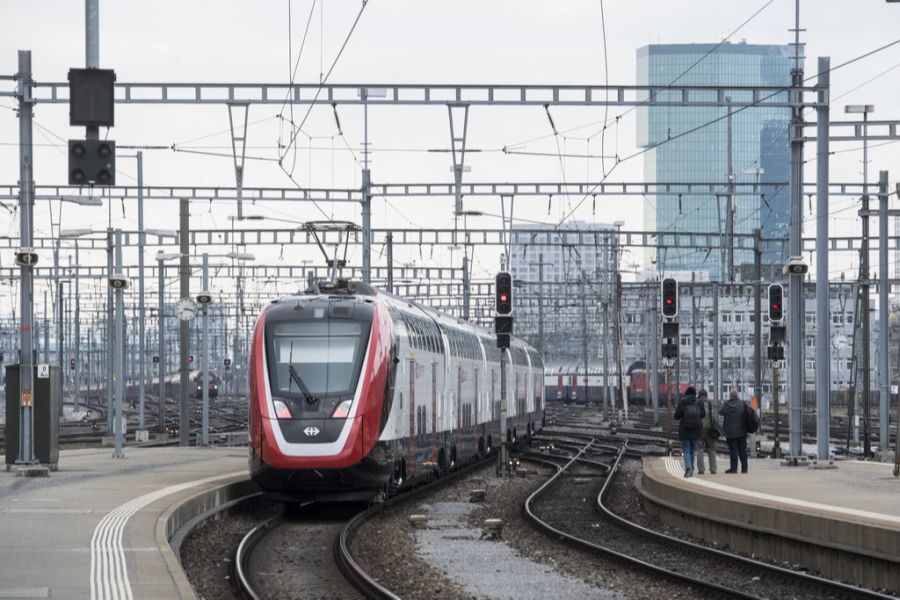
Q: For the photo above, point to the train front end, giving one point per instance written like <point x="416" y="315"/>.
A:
<point x="318" y="400"/>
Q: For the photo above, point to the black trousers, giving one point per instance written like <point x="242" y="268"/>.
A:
<point x="737" y="447"/>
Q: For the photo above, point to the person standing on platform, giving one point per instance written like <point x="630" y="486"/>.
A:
<point x="734" y="422"/>
<point x="689" y="415"/>
<point x="710" y="433"/>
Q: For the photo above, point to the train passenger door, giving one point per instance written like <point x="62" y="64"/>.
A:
<point x="447" y="408"/>
<point x="413" y="442"/>
<point x="481" y="398"/>
<point x="529" y="384"/>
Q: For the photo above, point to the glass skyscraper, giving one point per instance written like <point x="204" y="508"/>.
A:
<point x="760" y="148"/>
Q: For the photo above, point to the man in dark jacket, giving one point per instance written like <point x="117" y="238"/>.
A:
<point x="689" y="415"/>
<point x="734" y="415"/>
<point x="711" y="433"/>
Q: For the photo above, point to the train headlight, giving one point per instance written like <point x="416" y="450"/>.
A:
<point x="342" y="410"/>
<point x="281" y="410"/>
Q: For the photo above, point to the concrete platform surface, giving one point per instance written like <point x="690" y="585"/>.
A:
<point x="855" y="491"/>
<point x="842" y="523"/>
<point x="89" y="530"/>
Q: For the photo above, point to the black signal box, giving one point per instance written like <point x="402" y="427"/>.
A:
<point x="670" y="330"/>
<point x="92" y="96"/>
<point x="776" y="352"/>
<point x="777" y="334"/>
<point x="670" y="350"/>
<point x="92" y="162"/>
<point x="503" y="324"/>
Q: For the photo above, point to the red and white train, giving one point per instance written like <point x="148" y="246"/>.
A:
<point x="356" y="392"/>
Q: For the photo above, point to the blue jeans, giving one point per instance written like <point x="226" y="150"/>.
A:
<point x="690" y="448"/>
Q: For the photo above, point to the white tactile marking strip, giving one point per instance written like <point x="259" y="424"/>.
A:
<point x="109" y="572"/>
<point x="673" y="466"/>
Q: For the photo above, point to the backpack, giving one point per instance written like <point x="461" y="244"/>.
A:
<point x="691" y="418"/>
<point x="751" y="420"/>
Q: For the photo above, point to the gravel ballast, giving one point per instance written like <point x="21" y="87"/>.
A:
<point x="409" y="563"/>
<point x="207" y="553"/>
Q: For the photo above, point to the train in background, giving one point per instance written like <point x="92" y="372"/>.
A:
<point x="566" y="383"/>
<point x="195" y="384"/>
<point x="355" y="393"/>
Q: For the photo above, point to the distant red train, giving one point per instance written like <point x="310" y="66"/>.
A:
<point x="355" y="393"/>
<point x="639" y="388"/>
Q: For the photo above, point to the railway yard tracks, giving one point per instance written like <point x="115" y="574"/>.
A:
<point x="597" y="529"/>
<point x="584" y="520"/>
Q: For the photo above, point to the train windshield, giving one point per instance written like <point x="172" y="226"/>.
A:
<point x="326" y="356"/>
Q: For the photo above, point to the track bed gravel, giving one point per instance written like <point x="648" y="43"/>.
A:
<point x="388" y="546"/>
<point x="207" y="553"/>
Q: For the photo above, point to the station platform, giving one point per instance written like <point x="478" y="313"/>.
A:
<point x="843" y="523"/>
<point x="92" y="529"/>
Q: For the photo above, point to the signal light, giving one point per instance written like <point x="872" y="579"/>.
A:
<point x="669" y="298"/>
<point x="504" y="293"/>
<point x="92" y="162"/>
<point x="776" y="303"/>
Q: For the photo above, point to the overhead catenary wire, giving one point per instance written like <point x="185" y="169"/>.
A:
<point x="298" y="128"/>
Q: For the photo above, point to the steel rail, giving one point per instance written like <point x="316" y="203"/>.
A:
<point x="609" y="552"/>
<point x="352" y="570"/>
<point x="243" y="552"/>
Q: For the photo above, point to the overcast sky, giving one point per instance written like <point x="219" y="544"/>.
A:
<point x="409" y="41"/>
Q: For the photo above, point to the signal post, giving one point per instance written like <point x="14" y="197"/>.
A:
<point x="776" y="350"/>
<point x="503" y="327"/>
<point x="669" y="308"/>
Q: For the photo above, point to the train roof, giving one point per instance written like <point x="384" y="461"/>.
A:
<point x="345" y="289"/>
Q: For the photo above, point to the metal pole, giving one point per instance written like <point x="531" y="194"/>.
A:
<point x="390" y="263"/>
<point x="653" y="384"/>
<point x="584" y="338"/>
<point x="60" y="345"/>
<point x="757" y="312"/>
<point x="46" y="329"/>
<point x="777" y="448"/>
<point x="503" y="461"/>
<point x="693" y="369"/>
<point x="204" y="356"/>
<point x="465" y="282"/>
<point x="109" y="334"/>
<point x="541" y="303"/>
<point x="884" y="436"/>
<point x="367" y="193"/>
<point x="864" y="287"/>
<point x="823" y="316"/>
<point x="119" y="348"/>
<point x="26" y="232"/>
<point x="729" y="223"/>
<point x="715" y="311"/>
<point x="184" y="270"/>
<point x="795" y="307"/>
<point x="617" y="348"/>
<point x="57" y="317"/>
<point x="162" y="347"/>
<point x="77" y="338"/>
<point x="703" y="381"/>
<point x="669" y="403"/>
<point x="92" y="48"/>
<point x="142" y="352"/>
<point x="606" y="381"/>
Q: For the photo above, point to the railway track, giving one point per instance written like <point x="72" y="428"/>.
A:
<point x="310" y="532"/>
<point x="598" y="530"/>
<point x="328" y="540"/>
